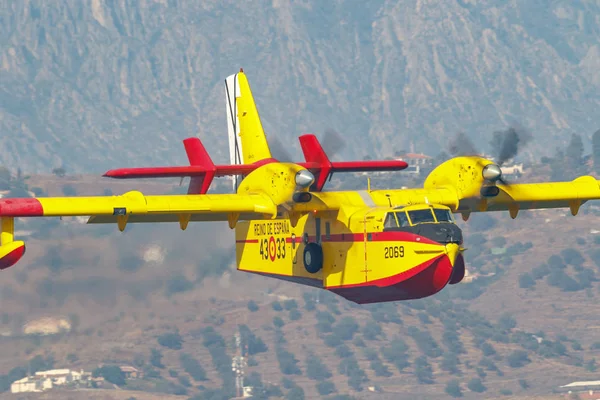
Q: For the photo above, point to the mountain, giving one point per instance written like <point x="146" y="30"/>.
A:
<point x="94" y="85"/>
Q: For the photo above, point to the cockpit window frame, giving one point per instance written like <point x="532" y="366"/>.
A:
<point x="433" y="219"/>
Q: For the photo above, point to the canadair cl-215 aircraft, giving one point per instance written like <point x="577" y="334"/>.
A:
<point x="367" y="246"/>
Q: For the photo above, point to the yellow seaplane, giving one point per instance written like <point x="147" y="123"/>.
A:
<point x="367" y="246"/>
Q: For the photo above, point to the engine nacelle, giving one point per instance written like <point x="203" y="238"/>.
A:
<point x="465" y="174"/>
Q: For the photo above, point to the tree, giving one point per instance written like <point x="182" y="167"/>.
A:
<point x="192" y="367"/>
<point x="295" y="315"/>
<point x="517" y="359"/>
<point x="178" y="283"/>
<point x="252" y="306"/>
<point x="315" y="369"/>
<point x="156" y="358"/>
<point x="423" y="370"/>
<point x="60" y="172"/>
<point x="69" y="190"/>
<point x="287" y="362"/>
<point x="278" y="322"/>
<point x="5" y="178"/>
<point x="172" y="340"/>
<point x="325" y="388"/>
<point x="574" y="154"/>
<point x="526" y="281"/>
<point x="475" y="385"/>
<point x="591" y="365"/>
<point x="596" y="150"/>
<point x="572" y="257"/>
<point x="453" y="388"/>
<point x="506" y="322"/>
<point x="251" y="342"/>
<point x="112" y="374"/>
<point x="346" y="328"/>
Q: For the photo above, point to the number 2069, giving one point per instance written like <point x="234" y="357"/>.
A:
<point x="394" y="252"/>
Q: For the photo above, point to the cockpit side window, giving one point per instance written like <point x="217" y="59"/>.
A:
<point x="390" y="221"/>
<point x="421" y="216"/>
<point x="402" y="219"/>
<point x="442" y="215"/>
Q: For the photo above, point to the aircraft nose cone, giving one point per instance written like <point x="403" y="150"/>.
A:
<point x="304" y="178"/>
<point x="491" y="172"/>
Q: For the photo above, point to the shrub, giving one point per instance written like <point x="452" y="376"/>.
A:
<point x="276" y="306"/>
<point x="476" y="385"/>
<point x="172" y="341"/>
<point x="192" y="367"/>
<point x="523" y="383"/>
<point x="112" y="374"/>
<point x="325" y="388"/>
<point x="526" y="281"/>
<point x="343" y="351"/>
<point x="251" y="342"/>
<point x="287" y="362"/>
<point x="423" y="370"/>
<point x="69" y="190"/>
<point x="591" y="365"/>
<point x="572" y="257"/>
<point x="278" y="322"/>
<point x="290" y="305"/>
<point x="506" y="322"/>
<point x="379" y="368"/>
<point x="358" y="342"/>
<point x="450" y="363"/>
<point x="295" y="315"/>
<point x="156" y="358"/>
<point x="487" y="349"/>
<point x="332" y="340"/>
<point x="178" y="283"/>
<point x="346" y="328"/>
<point x="518" y="359"/>
<point x="372" y="331"/>
<point x="252" y="306"/>
<point x="315" y="369"/>
<point x="453" y="388"/>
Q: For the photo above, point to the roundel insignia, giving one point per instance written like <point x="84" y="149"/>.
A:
<point x="272" y="248"/>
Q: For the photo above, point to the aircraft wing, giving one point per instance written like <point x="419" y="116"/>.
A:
<point x="135" y="207"/>
<point x="528" y="196"/>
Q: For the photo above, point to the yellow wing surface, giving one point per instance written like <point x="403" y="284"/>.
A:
<point x="135" y="207"/>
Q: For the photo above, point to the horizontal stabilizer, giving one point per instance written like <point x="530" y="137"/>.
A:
<point x="201" y="170"/>
<point x="319" y="164"/>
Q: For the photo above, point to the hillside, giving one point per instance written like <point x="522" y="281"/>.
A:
<point x="98" y="84"/>
<point x="155" y="296"/>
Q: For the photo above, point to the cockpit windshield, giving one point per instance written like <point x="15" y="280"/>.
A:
<point x="421" y="216"/>
<point x="442" y="215"/>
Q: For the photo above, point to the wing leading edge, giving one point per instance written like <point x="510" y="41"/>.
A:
<point x="135" y="205"/>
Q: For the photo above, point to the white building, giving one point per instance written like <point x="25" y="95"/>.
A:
<point x="45" y="380"/>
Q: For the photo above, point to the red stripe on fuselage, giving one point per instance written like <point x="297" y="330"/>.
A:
<point x="394" y="236"/>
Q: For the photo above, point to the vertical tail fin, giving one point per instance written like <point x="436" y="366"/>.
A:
<point x="247" y="140"/>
